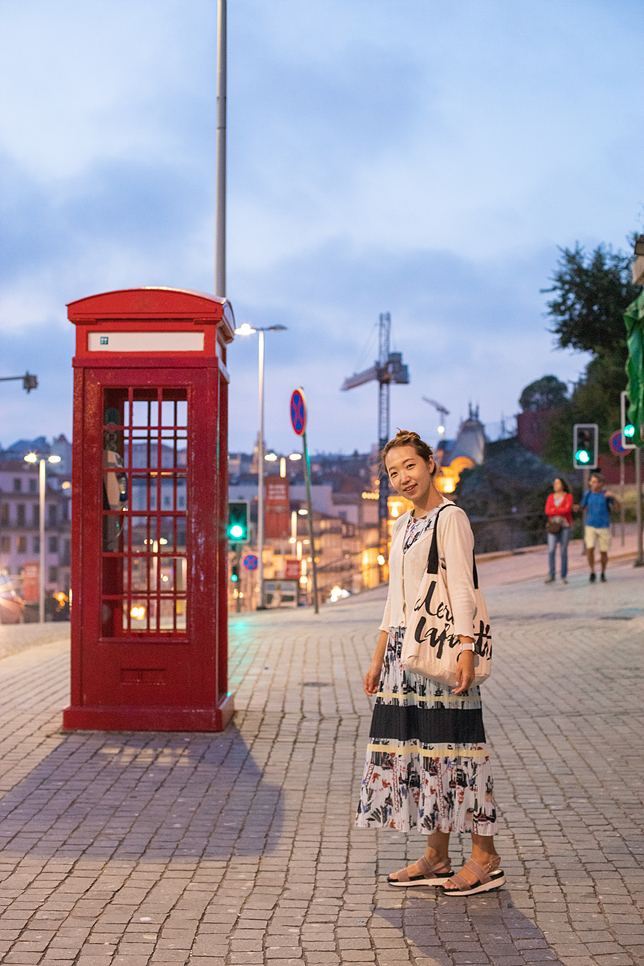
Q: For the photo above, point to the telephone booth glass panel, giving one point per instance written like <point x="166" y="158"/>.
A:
<point x="145" y="505"/>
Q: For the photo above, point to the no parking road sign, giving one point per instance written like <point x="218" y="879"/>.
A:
<point x="616" y="443"/>
<point x="250" y="561"/>
<point x="298" y="412"/>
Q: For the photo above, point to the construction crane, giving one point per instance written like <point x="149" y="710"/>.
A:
<point x="439" y="408"/>
<point x="388" y="369"/>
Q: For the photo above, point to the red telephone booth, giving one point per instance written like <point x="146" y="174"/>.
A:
<point x="149" y="505"/>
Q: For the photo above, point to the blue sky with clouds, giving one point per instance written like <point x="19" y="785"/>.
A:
<point x="414" y="156"/>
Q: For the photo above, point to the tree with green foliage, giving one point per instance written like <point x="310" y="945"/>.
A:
<point x="590" y="294"/>
<point x="545" y="393"/>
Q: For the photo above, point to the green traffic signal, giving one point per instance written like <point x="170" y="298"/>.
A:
<point x="629" y="430"/>
<point x="585" y="446"/>
<point x="238" y="522"/>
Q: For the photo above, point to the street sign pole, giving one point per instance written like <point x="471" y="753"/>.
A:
<point x="622" y="516"/>
<point x="639" y="560"/>
<point x="237" y="562"/>
<point x="309" y="503"/>
<point x="618" y="447"/>
<point x="629" y="430"/>
<point x="298" y="422"/>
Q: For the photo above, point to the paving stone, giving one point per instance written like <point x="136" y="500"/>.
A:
<point x="239" y="848"/>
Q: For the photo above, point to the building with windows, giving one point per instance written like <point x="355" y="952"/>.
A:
<point x="20" y="521"/>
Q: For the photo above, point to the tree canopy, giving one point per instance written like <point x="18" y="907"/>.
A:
<point x="545" y="393"/>
<point x="591" y="292"/>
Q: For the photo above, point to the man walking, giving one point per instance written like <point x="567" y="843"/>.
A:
<point x="598" y="505"/>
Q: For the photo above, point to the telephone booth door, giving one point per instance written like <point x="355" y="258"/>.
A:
<point x="149" y="497"/>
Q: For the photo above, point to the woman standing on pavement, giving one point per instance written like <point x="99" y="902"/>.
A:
<point x="559" y="527"/>
<point x="427" y="764"/>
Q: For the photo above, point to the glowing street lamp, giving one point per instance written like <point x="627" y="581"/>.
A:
<point x="34" y="458"/>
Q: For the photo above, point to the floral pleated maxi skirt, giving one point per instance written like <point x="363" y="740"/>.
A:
<point x="427" y="763"/>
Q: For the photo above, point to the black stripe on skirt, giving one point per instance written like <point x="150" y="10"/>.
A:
<point x="430" y="726"/>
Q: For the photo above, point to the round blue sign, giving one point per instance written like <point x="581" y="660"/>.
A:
<point x="250" y="561"/>
<point x="616" y="443"/>
<point x="298" y="412"/>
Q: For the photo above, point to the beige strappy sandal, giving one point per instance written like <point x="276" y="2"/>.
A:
<point x="430" y="875"/>
<point x="486" y="880"/>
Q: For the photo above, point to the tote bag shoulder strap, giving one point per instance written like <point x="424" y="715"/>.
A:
<point x="432" y="559"/>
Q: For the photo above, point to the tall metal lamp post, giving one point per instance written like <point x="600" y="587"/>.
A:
<point x="34" y="458"/>
<point x="220" y="200"/>
<point x="247" y="329"/>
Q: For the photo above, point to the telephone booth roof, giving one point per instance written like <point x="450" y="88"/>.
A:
<point x="156" y="304"/>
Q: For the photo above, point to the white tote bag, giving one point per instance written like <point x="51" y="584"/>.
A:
<point x="431" y="648"/>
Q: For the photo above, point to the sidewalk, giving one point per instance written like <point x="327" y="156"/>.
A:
<point x="528" y="562"/>
<point x="239" y="848"/>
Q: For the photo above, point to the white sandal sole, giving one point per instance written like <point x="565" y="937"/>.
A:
<point x="496" y="881"/>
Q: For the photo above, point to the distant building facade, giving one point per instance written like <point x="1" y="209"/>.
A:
<point x="20" y="521"/>
<point x="345" y="518"/>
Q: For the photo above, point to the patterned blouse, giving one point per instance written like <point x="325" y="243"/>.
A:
<point x="416" y="526"/>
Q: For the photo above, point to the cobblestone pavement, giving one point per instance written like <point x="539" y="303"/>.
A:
<point x="239" y="848"/>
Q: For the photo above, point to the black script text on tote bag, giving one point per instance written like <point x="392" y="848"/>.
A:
<point x="431" y="648"/>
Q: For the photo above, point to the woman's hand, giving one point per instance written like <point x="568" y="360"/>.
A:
<point x="372" y="679"/>
<point x="464" y="672"/>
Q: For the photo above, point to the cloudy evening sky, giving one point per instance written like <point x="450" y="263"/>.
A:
<point x="423" y="157"/>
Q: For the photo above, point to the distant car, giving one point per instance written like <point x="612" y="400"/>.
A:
<point x="338" y="593"/>
<point x="12" y="607"/>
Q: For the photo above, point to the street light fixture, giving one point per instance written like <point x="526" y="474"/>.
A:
<point x="34" y="458"/>
<point x="246" y="329"/>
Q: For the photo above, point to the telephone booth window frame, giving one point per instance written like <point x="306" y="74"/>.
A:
<point x="133" y="599"/>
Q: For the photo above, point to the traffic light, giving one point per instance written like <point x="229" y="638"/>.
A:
<point x="234" y="575"/>
<point x="238" y="522"/>
<point x="628" y="430"/>
<point x="29" y="382"/>
<point x="584" y="446"/>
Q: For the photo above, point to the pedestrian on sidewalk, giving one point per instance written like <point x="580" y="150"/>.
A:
<point x="427" y="765"/>
<point x="598" y="505"/>
<point x="559" y="527"/>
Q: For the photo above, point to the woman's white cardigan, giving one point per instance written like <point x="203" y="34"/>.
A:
<point x="456" y="554"/>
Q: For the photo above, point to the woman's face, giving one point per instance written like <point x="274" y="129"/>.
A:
<point x="409" y="474"/>
<point x="557" y="486"/>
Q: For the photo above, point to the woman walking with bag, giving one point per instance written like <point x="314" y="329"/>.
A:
<point x="427" y="763"/>
<point x="558" y="527"/>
